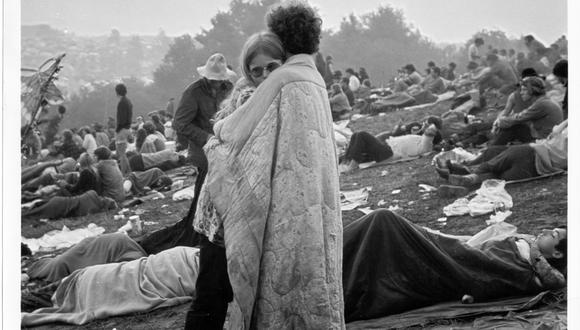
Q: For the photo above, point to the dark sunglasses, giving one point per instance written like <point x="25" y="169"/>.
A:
<point x="258" y="71"/>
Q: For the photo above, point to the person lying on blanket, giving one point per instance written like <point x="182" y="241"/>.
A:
<point x="391" y="265"/>
<point x="364" y="147"/>
<point x="515" y="162"/>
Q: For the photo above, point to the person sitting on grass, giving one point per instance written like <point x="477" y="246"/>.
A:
<point x="364" y="147"/>
<point x="534" y="122"/>
<point x="515" y="162"/>
<point x="110" y="175"/>
<point x="154" y="142"/>
<point x="338" y="103"/>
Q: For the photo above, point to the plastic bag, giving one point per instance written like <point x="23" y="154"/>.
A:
<point x="491" y="197"/>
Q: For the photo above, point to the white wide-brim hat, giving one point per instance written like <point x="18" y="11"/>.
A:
<point x="216" y="68"/>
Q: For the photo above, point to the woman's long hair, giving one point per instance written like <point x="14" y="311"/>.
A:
<point x="140" y="139"/>
<point x="266" y="43"/>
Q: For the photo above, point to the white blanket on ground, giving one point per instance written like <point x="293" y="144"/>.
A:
<point x="141" y="285"/>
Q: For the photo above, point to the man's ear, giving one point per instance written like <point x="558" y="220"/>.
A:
<point x="557" y="254"/>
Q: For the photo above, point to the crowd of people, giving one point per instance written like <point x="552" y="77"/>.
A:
<point x="266" y="208"/>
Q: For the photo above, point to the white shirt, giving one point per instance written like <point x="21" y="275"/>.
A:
<point x="89" y="144"/>
<point x="410" y="145"/>
<point x="353" y="83"/>
<point x="472" y="52"/>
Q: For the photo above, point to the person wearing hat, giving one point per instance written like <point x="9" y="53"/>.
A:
<point x="534" y="122"/>
<point x="199" y="103"/>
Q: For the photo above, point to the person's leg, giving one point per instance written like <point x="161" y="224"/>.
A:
<point x="488" y="154"/>
<point x="136" y="163"/>
<point x="121" y="149"/>
<point x="364" y="147"/>
<point x="43" y="180"/>
<point x="517" y="162"/>
<point x="520" y="132"/>
<point x="213" y="290"/>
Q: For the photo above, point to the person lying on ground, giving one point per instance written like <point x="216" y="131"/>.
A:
<point x="379" y="279"/>
<point x="164" y="160"/>
<point x="60" y="166"/>
<point x="517" y="162"/>
<point x="534" y="122"/>
<point x="338" y="103"/>
<point x="95" y="250"/>
<point x="154" y="178"/>
<point x="63" y="207"/>
<point x="110" y="177"/>
<point x="364" y="147"/>
<point x="140" y="285"/>
<point x="415" y="128"/>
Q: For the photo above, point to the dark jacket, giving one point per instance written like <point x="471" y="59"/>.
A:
<point x="124" y="113"/>
<point x="197" y="106"/>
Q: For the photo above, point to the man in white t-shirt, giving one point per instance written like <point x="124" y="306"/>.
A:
<point x="474" y="51"/>
<point x="353" y="81"/>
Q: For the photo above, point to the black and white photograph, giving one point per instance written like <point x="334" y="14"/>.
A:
<point x="288" y="164"/>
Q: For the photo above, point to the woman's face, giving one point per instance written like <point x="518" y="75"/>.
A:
<point x="261" y="66"/>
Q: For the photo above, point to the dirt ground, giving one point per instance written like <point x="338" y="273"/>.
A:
<point x="537" y="205"/>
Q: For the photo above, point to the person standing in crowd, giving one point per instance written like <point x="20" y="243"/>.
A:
<point x="474" y="52"/>
<point x="353" y="81"/>
<point x="282" y="218"/>
<point x="534" y="46"/>
<point x="560" y="70"/>
<point x="124" y="119"/>
<point x="199" y="103"/>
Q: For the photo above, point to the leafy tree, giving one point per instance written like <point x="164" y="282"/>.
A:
<point x="178" y="67"/>
<point x="381" y="42"/>
<point x="134" y="57"/>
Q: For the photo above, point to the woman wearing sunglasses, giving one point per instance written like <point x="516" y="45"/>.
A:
<point x="261" y="55"/>
<point x="273" y="182"/>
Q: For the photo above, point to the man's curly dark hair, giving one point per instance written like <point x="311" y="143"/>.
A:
<point x="297" y="25"/>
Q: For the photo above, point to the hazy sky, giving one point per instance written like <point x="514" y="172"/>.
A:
<point x="442" y="21"/>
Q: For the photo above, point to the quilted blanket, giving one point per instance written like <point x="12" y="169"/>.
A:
<point x="276" y="189"/>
